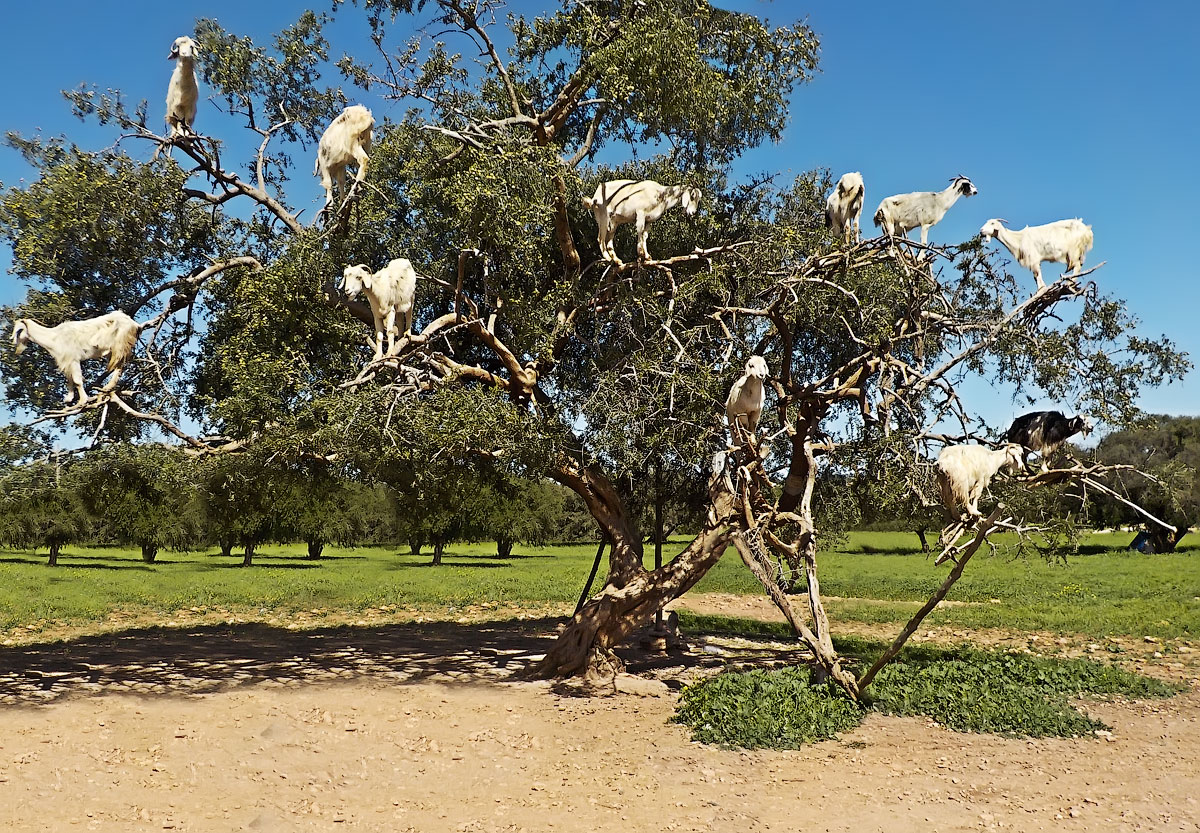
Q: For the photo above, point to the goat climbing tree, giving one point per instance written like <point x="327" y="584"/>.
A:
<point x="531" y="353"/>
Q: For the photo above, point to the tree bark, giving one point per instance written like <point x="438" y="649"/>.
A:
<point x="504" y="547"/>
<point x="631" y="594"/>
<point x="149" y="553"/>
<point x="924" y="543"/>
<point x="248" y="558"/>
<point x="55" y="547"/>
<point x="226" y="545"/>
<point x="414" y="545"/>
<point x="438" y="546"/>
<point x="315" y="548"/>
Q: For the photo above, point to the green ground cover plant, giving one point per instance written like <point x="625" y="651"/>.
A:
<point x="964" y="689"/>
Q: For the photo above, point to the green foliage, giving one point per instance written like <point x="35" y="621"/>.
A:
<point x="964" y="690"/>
<point x="765" y="709"/>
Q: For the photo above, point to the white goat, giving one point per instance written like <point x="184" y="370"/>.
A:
<point x="346" y="141"/>
<point x="113" y="334"/>
<point x="390" y="292"/>
<point x="621" y="201"/>
<point x="744" y="404"/>
<point x="182" y="92"/>
<point x="844" y="207"/>
<point x="964" y="471"/>
<point x="1064" y="241"/>
<point x="904" y="212"/>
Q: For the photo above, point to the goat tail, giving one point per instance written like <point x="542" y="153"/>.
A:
<point x="123" y="347"/>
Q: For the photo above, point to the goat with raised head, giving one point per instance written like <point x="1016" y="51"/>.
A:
<point x="113" y="335"/>
<point x="904" y="212"/>
<point x="743" y="406"/>
<point x="1064" y="241"/>
<point x="621" y="201"/>
<point x="347" y="141"/>
<point x="182" y="92"/>
<point x="844" y="206"/>
<point x="390" y="292"/>
<point x="1044" y="432"/>
<point x="964" y="471"/>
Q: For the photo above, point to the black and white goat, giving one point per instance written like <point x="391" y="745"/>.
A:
<point x="964" y="471"/>
<point x="923" y="209"/>
<point x="113" y="335"/>
<point x="844" y="206"/>
<point x="622" y="201"/>
<point x="1044" y="432"/>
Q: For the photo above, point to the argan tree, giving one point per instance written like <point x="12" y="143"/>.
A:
<point x="530" y="352"/>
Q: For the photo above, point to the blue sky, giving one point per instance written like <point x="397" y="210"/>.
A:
<point x="1054" y="109"/>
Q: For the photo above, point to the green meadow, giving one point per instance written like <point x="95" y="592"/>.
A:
<point x="876" y="577"/>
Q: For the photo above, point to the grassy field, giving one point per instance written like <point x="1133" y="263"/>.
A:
<point x="873" y="577"/>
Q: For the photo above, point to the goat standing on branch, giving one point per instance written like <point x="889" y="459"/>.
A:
<point x="744" y="405"/>
<point x="844" y="207"/>
<point x="182" y="93"/>
<point x="1064" y="241"/>
<point x="964" y="471"/>
<point x="905" y="212"/>
<point x="390" y="292"/>
<point x="112" y="335"/>
<point x="1045" y="432"/>
<point x="621" y="201"/>
<point x="347" y="141"/>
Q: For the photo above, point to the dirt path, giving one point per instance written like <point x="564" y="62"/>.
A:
<point x="420" y="727"/>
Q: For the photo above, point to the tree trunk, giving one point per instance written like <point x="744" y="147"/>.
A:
<point x="315" y="548"/>
<point x="55" y="547"/>
<point x="438" y="546"/>
<point x="414" y="545"/>
<point x="631" y="594"/>
<point x="149" y="553"/>
<point x="504" y="547"/>
<point x="248" y="558"/>
<point x="226" y="545"/>
<point x="924" y="543"/>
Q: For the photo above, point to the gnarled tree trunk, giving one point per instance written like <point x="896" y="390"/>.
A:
<point x="631" y="594"/>
<point x="149" y="553"/>
<point x="315" y="548"/>
<point x="504" y="547"/>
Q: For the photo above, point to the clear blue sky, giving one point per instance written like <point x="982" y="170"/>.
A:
<point x="1054" y="109"/>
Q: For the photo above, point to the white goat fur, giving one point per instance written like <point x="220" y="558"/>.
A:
<point x="113" y="335"/>
<point x="390" y="292"/>
<point x="347" y="141"/>
<point x="844" y="206"/>
<point x="923" y="209"/>
<point x="1064" y="241"/>
<point x="182" y="92"/>
<point x="964" y="471"/>
<point x="621" y="201"/>
<point x="745" y="401"/>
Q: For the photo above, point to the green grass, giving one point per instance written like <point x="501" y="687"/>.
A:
<point x="963" y="689"/>
<point x="880" y="575"/>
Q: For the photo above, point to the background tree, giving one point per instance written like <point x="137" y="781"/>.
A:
<point x="516" y="510"/>
<point x="1167" y="449"/>
<point x="142" y="495"/>
<point x="41" y="504"/>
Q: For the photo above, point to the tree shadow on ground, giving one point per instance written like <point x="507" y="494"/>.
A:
<point x="157" y="662"/>
<point x="80" y="563"/>
<point x="446" y="562"/>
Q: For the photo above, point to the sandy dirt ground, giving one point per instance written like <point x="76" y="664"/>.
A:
<point x="410" y="726"/>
